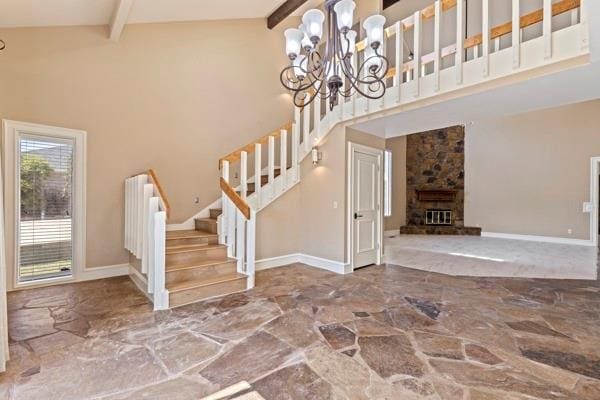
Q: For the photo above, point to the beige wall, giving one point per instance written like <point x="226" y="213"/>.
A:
<point x="312" y="220"/>
<point x="530" y="174"/>
<point x="304" y="220"/>
<point x="174" y="97"/>
<point x="397" y="146"/>
<point x="279" y="226"/>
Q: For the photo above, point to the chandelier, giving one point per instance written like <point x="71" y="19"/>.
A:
<point x="337" y="71"/>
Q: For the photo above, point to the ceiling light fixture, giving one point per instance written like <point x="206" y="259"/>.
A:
<point x="337" y="72"/>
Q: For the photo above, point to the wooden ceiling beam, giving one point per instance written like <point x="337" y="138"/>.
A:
<point x="284" y="11"/>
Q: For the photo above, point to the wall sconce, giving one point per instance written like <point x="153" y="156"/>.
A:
<point x="317" y="156"/>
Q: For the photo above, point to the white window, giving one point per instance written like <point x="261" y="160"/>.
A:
<point x="46" y="169"/>
<point x="387" y="183"/>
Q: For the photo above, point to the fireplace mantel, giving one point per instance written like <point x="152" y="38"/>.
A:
<point x="436" y="195"/>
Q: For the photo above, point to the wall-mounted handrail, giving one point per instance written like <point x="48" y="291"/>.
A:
<point x="239" y="203"/>
<point x="237" y="154"/>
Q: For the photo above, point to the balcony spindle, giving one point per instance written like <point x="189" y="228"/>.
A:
<point x="316" y="106"/>
<point x="240" y="241"/>
<point x="437" y="62"/>
<point x="224" y="201"/>
<point x="258" y="173"/>
<point x="460" y="41"/>
<point x="399" y="60"/>
<point x="283" y="158"/>
<point x="547" y="28"/>
<point x="417" y="54"/>
<point x="485" y="46"/>
<point x="355" y="94"/>
<point x="295" y="147"/>
<point x="585" y="33"/>
<point x="244" y="175"/>
<point x="516" y="34"/>
<point x="306" y="127"/>
<point x="271" y="161"/>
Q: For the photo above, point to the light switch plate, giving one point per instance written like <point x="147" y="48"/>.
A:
<point x="588" y="207"/>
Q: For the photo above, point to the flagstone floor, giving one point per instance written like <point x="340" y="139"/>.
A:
<point x="384" y="332"/>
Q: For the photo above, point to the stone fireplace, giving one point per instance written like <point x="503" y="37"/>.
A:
<point x="435" y="183"/>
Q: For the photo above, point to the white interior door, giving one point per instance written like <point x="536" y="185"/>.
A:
<point x="365" y="208"/>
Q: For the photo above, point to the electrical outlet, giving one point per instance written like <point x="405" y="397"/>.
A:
<point x="196" y="200"/>
<point x="570" y="231"/>
<point x="335" y="204"/>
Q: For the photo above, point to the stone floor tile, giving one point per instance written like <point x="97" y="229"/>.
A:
<point x="252" y="358"/>
<point x="338" y="336"/>
<point x="439" y="346"/>
<point x="90" y="369"/>
<point x="352" y="378"/>
<point x="240" y="322"/>
<point x="295" y="328"/>
<point x="184" y="351"/>
<point x="28" y="323"/>
<point x="54" y="342"/>
<point x="479" y="353"/>
<point x="296" y="382"/>
<point x="174" y="389"/>
<point x="390" y="355"/>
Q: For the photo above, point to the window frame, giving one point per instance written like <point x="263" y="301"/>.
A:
<point x="388" y="168"/>
<point x="12" y="132"/>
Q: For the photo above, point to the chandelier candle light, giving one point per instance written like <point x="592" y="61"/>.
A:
<point x="337" y="71"/>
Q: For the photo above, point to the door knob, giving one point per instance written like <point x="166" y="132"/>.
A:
<point x="356" y="216"/>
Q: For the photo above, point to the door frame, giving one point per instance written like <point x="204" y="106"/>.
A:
<point x="594" y="187"/>
<point x="352" y="149"/>
<point x="11" y="132"/>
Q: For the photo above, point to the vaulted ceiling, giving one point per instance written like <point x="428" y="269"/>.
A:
<point x="20" y="13"/>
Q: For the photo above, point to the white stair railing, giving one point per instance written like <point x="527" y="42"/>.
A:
<point x="410" y="79"/>
<point x="146" y="210"/>
<point x="237" y="224"/>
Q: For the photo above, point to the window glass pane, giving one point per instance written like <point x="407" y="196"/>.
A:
<point x="387" y="183"/>
<point x="45" y="207"/>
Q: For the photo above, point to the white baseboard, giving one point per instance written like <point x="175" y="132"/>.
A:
<point x="109" y="271"/>
<point x="189" y="223"/>
<point x="533" y="238"/>
<point x="274" y="262"/>
<point x="318" y="262"/>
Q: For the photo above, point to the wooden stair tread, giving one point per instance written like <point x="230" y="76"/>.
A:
<point x="182" y="247"/>
<point x="186" y="285"/>
<point x="194" y="247"/>
<point x="192" y="265"/>
<point x="186" y="234"/>
<point x="207" y="220"/>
